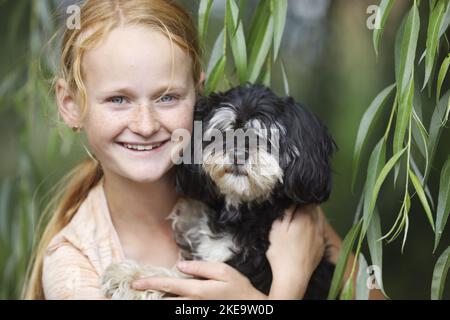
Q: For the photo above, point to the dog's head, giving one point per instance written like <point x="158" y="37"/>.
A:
<point x="257" y="145"/>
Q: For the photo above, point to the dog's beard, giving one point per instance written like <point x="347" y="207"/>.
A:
<point x="253" y="180"/>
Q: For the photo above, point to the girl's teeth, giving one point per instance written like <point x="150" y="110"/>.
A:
<point x="140" y="147"/>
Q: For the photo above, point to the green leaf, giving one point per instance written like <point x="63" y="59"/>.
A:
<point x="447" y="113"/>
<point x="260" y="50"/>
<point x="204" y="10"/>
<point x="376" y="246"/>
<point x="403" y="117"/>
<point x="376" y="163"/>
<point x="422" y="56"/>
<point x="362" y="291"/>
<point x="347" y="291"/>
<point x="358" y="210"/>
<point x="285" y="79"/>
<point x="443" y="207"/>
<point x="217" y="53"/>
<point x="215" y="76"/>
<point x="440" y="274"/>
<point x="422" y="197"/>
<point x="259" y="20"/>
<point x="341" y="265"/>
<point x="280" y="11"/>
<point x="446" y="43"/>
<point x="436" y="128"/>
<point x="420" y="136"/>
<point x="432" y="4"/>
<point x="237" y="39"/>
<point x="400" y="221"/>
<point x="435" y="21"/>
<point x="408" y="50"/>
<point x="384" y="10"/>
<point x="398" y="47"/>
<point x="421" y="179"/>
<point x="442" y="73"/>
<point x="267" y="71"/>
<point x="405" y="50"/>
<point x="376" y="189"/>
<point x="367" y="122"/>
<point x="406" y="209"/>
<point x="445" y="21"/>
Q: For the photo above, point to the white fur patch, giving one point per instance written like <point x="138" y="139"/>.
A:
<point x="117" y="278"/>
<point x="190" y="223"/>
<point x="223" y="119"/>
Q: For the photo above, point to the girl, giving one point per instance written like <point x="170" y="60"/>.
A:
<point x="129" y="77"/>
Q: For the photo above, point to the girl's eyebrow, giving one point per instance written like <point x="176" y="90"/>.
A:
<point x="161" y="90"/>
<point x="127" y="91"/>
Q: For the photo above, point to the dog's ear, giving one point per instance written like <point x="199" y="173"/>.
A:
<point x="305" y="155"/>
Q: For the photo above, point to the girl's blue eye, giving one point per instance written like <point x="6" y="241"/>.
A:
<point x="118" y="99"/>
<point x="167" y="98"/>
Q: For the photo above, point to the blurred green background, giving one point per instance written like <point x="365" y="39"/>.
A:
<point x="331" y="67"/>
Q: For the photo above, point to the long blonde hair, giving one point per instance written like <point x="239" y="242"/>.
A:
<point x="97" y="18"/>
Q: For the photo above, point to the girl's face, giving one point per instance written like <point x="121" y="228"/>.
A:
<point x="128" y="121"/>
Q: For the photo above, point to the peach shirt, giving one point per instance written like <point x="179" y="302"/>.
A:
<point x="78" y="255"/>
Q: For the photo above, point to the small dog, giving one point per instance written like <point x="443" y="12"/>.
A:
<point x="231" y="198"/>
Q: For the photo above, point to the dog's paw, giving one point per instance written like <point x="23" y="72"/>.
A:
<point x="117" y="279"/>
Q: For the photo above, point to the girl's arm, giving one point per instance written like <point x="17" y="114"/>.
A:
<point x="68" y="274"/>
<point x="297" y="246"/>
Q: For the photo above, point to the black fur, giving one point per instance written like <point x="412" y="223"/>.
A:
<point x="307" y="179"/>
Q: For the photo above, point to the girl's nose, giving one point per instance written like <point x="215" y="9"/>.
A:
<point x="144" y="121"/>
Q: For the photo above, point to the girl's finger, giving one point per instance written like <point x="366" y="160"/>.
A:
<point x="206" y="269"/>
<point x="176" y="286"/>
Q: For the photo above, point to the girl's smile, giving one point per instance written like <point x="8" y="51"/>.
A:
<point x="144" y="149"/>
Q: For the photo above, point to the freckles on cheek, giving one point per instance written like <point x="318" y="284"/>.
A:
<point x="101" y="125"/>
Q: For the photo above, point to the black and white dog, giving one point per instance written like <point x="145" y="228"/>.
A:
<point x="232" y="196"/>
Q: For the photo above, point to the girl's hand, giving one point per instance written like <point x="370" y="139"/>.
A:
<point x="296" y="247"/>
<point x="221" y="282"/>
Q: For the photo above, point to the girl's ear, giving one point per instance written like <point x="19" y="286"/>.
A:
<point x="67" y="106"/>
<point x="201" y="82"/>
